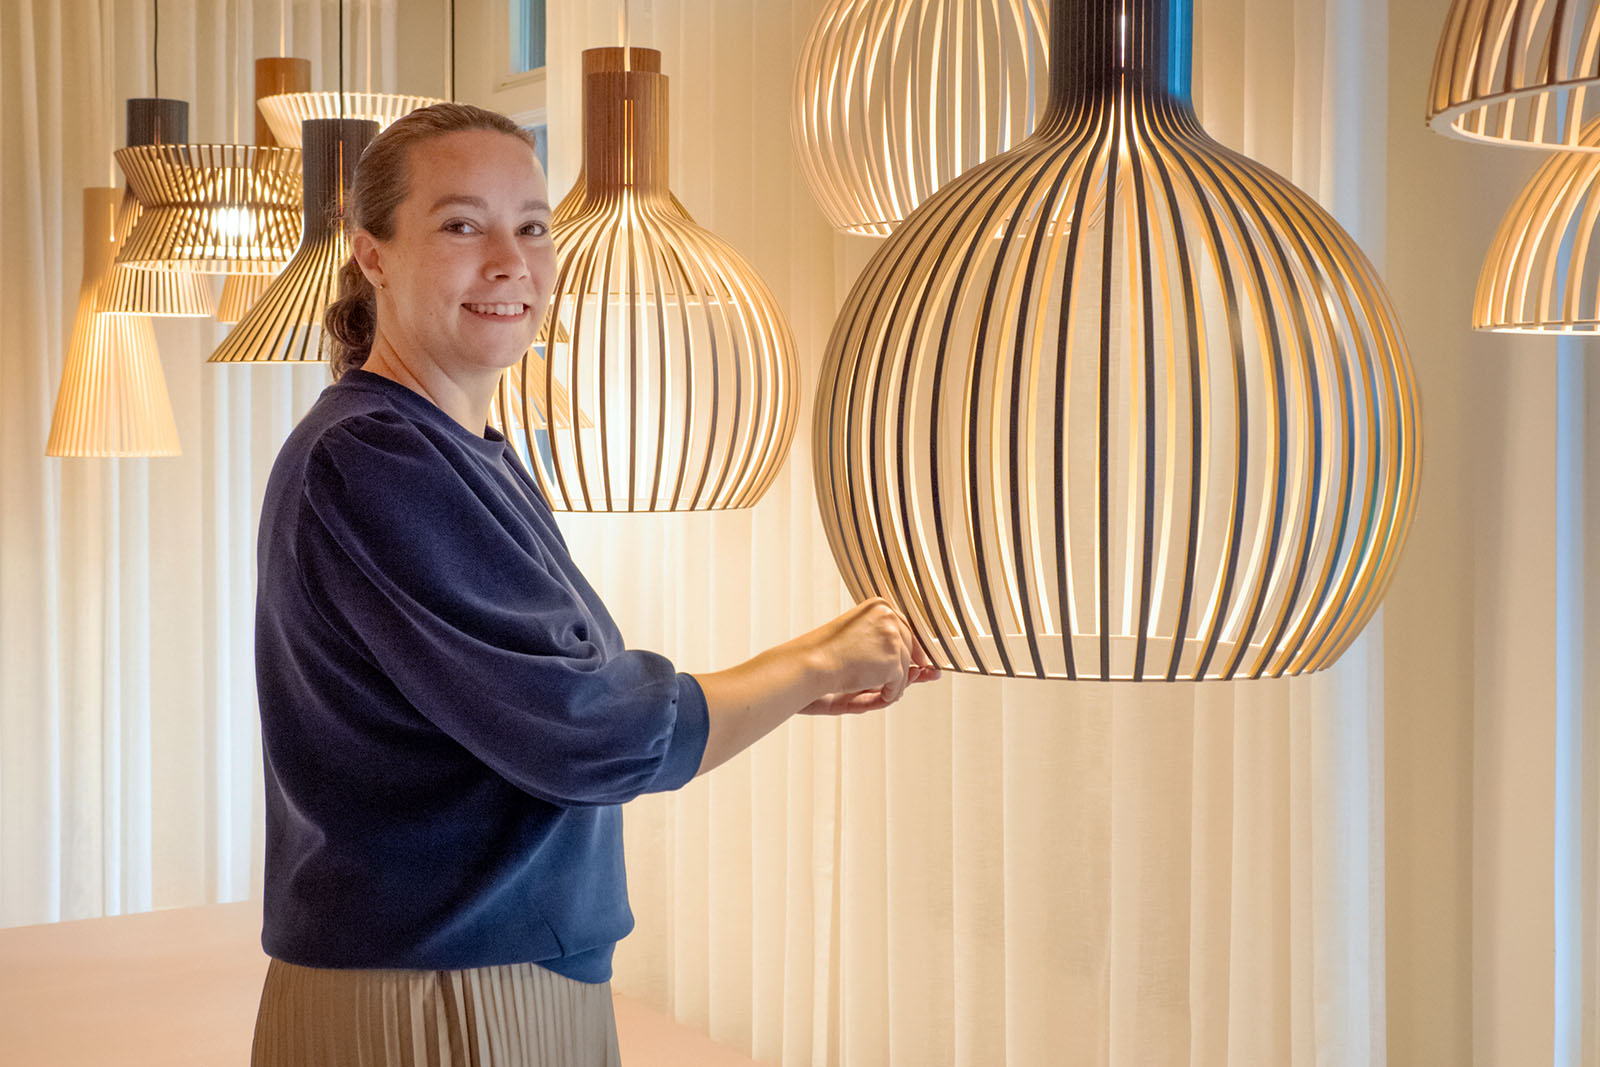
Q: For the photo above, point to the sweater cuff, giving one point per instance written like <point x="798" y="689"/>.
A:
<point x="689" y="733"/>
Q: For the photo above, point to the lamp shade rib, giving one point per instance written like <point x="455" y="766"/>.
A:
<point x="1520" y="72"/>
<point x="1119" y="403"/>
<point x="893" y="98"/>
<point x="670" y="382"/>
<point x="284" y="325"/>
<point x="112" y="399"/>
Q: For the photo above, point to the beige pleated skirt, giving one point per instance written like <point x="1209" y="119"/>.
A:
<point x="520" y="1015"/>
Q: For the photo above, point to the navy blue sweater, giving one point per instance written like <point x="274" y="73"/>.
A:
<point x="448" y="714"/>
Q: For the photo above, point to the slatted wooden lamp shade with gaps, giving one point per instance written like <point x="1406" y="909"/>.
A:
<point x="675" y="353"/>
<point x="163" y="293"/>
<point x="112" y="400"/>
<point x="286" y="112"/>
<point x="212" y="208"/>
<point x="1542" y="273"/>
<point x="1519" y="72"/>
<point x="274" y="75"/>
<point x="1120" y="403"/>
<point x="893" y="98"/>
<point x="285" y="324"/>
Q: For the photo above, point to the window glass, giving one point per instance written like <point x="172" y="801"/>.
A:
<point x="527" y="35"/>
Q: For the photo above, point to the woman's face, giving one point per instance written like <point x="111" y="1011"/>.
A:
<point x="466" y="276"/>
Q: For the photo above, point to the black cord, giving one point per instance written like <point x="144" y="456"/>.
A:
<point x="341" y="58"/>
<point x="155" y="44"/>
<point x="452" y="49"/>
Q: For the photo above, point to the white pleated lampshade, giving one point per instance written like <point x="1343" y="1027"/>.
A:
<point x="893" y="98"/>
<point x="112" y="399"/>
<point x="285" y="112"/>
<point x="1119" y="403"/>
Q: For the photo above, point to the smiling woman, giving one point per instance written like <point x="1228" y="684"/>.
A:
<point x="450" y="717"/>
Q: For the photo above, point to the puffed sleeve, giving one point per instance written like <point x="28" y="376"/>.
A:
<point x="454" y="603"/>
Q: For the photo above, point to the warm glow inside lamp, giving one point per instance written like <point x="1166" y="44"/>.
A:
<point x="163" y="293"/>
<point x="1542" y="274"/>
<point x="1522" y="72"/>
<point x="286" y="111"/>
<point x="671" y="381"/>
<point x="112" y="400"/>
<point x="274" y="75"/>
<point x="285" y="323"/>
<point x="893" y="98"/>
<point x="1119" y="403"/>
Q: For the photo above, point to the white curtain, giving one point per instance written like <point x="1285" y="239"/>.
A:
<point x="129" y="745"/>
<point x="1018" y="872"/>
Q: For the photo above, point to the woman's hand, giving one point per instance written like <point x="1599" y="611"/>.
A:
<point x="861" y="661"/>
<point x="870" y="656"/>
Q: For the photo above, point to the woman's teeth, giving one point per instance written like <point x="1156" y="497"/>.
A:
<point x="497" y="309"/>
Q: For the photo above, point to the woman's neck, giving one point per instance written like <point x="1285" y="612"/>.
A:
<point x="465" y="398"/>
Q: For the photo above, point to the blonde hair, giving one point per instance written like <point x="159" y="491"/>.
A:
<point x="381" y="184"/>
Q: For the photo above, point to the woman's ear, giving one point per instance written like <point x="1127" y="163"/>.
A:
<point x="368" y="255"/>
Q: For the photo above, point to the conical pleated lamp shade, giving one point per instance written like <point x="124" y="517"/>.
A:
<point x="1518" y="72"/>
<point x="1119" y="403"/>
<point x="677" y="351"/>
<point x="1542" y="273"/>
<point x="893" y="98"/>
<point x="285" y="112"/>
<point x="285" y="324"/>
<point x="239" y="294"/>
<point x="165" y="293"/>
<point x="112" y="400"/>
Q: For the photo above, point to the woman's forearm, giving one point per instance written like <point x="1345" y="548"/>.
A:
<point x="749" y="701"/>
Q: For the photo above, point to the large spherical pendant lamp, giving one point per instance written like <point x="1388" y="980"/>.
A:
<point x="664" y="337"/>
<point x="893" y="98"/>
<point x="1541" y="274"/>
<point x="1119" y="403"/>
<point x="112" y="400"/>
<point x="285" y="323"/>
<point x="164" y="293"/>
<point x="1524" y="72"/>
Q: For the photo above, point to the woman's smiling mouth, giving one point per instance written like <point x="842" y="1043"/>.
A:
<point x="497" y="311"/>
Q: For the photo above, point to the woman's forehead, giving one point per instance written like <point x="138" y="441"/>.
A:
<point x="484" y="164"/>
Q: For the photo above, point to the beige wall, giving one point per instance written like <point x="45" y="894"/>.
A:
<point x="1470" y="629"/>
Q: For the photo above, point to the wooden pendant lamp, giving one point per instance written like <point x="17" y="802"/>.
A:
<point x="1522" y="72"/>
<point x="274" y="75"/>
<point x="285" y="323"/>
<point x="1120" y="403"/>
<point x="112" y="399"/>
<point x="163" y="293"/>
<point x="671" y="380"/>
<point x="893" y="98"/>
<point x="1542" y="273"/>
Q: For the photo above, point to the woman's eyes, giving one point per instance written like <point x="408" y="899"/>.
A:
<point x="531" y="229"/>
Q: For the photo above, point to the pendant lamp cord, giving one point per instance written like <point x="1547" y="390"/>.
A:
<point x="155" y="44"/>
<point x="450" y="92"/>
<point x="341" y="58"/>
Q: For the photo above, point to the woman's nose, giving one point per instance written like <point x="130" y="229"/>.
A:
<point x="505" y="257"/>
